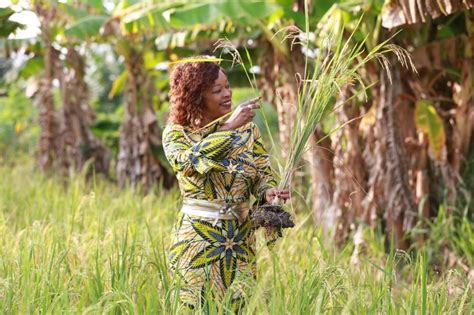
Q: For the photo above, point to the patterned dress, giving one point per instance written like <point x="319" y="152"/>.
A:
<point x="212" y="256"/>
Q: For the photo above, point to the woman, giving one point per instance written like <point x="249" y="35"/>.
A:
<point x="219" y="160"/>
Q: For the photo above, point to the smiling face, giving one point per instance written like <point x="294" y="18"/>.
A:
<point x="217" y="99"/>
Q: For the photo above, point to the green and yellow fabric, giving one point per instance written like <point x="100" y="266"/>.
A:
<point x="225" y="166"/>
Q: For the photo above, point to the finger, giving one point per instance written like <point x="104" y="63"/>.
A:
<point x="250" y="107"/>
<point x="246" y="103"/>
<point x="255" y="101"/>
<point x="250" y="101"/>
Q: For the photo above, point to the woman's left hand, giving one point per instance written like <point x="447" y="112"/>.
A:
<point x="271" y="193"/>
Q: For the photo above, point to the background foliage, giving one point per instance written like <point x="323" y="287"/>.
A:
<point x="383" y="205"/>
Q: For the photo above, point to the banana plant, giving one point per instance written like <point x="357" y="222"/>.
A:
<point x="397" y="13"/>
<point x="131" y="28"/>
<point x="49" y="154"/>
<point x="136" y="26"/>
<point x="381" y="159"/>
<point x="7" y="27"/>
<point x="66" y="142"/>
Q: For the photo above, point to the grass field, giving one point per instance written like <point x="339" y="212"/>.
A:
<point x="92" y="248"/>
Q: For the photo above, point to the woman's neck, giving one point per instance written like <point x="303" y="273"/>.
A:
<point x="205" y="121"/>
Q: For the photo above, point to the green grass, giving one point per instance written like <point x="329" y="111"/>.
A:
<point x="92" y="248"/>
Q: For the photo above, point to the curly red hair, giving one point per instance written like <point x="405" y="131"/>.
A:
<point x="188" y="82"/>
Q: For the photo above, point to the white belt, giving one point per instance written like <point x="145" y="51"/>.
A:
<point x="215" y="210"/>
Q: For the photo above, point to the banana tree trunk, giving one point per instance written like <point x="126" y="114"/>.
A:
<point x="278" y="88"/>
<point x="48" y="149"/>
<point x="374" y="155"/>
<point x="278" y="83"/>
<point x="79" y="144"/>
<point x="462" y="125"/>
<point x="320" y="163"/>
<point x="422" y="187"/>
<point x="139" y="133"/>
<point x="286" y="110"/>
<point x="463" y="95"/>
<point x="400" y="207"/>
<point x="348" y="168"/>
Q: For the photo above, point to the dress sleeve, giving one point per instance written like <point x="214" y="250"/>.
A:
<point x="201" y="156"/>
<point x="265" y="178"/>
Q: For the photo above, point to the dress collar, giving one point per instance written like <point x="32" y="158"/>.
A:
<point x="207" y="129"/>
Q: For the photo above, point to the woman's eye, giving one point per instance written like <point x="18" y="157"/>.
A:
<point x="217" y="91"/>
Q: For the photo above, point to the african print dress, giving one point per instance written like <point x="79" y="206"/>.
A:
<point x="228" y="166"/>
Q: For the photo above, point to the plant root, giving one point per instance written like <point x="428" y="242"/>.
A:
<point x="272" y="216"/>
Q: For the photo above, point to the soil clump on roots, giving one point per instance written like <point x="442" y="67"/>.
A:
<point x="272" y="216"/>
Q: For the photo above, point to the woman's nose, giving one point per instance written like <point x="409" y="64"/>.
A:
<point x="227" y="92"/>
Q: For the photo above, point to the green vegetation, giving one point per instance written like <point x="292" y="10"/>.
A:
<point x="93" y="248"/>
<point x="382" y="196"/>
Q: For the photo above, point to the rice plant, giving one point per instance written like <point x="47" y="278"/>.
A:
<point x="92" y="248"/>
<point x="337" y="63"/>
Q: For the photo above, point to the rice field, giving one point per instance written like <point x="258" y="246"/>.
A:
<point x="91" y="248"/>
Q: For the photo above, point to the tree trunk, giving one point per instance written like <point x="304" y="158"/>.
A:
<point x="320" y="163"/>
<point x="462" y="126"/>
<point x="463" y="95"/>
<point x="139" y="133"/>
<point x="286" y="110"/>
<point x="279" y="87"/>
<point x="374" y="155"/>
<point x="400" y="207"/>
<point x="422" y="187"/>
<point x="48" y="149"/>
<point x="78" y="142"/>
<point x="348" y="168"/>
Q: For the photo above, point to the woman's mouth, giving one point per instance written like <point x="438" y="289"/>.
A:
<point x="226" y="104"/>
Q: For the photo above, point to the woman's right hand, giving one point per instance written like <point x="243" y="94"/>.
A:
<point x="242" y="115"/>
